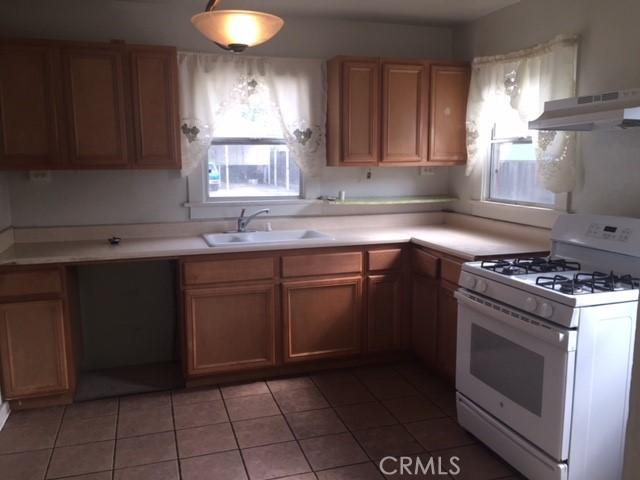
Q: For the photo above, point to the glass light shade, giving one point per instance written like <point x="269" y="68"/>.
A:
<point x="237" y="27"/>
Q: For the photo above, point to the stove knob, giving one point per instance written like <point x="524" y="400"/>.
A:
<point x="469" y="282"/>
<point x="546" y="310"/>
<point x="481" y="286"/>
<point x="530" y="304"/>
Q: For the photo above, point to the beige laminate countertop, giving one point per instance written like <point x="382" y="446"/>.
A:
<point x="464" y="243"/>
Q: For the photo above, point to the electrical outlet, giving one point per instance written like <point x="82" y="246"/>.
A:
<point x="40" y="176"/>
<point x="427" y="171"/>
<point x="368" y="174"/>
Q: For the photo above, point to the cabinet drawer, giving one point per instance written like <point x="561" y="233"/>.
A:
<point x="23" y="283"/>
<point x="425" y="263"/>
<point x="388" y="259"/>
<point x="236" y="270"/>
<point x="321" y="264"/>
<point x="451" y="270"/>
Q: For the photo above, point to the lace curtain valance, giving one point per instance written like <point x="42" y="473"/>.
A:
<point x="236" y="96"/>
<point x="523" y="81"/>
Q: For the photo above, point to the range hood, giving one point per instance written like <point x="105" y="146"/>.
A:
<point x="606" y="111"/>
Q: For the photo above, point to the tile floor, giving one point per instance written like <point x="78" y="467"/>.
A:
<point x="328" y="426"/>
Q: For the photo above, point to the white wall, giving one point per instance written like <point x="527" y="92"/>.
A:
<point x="81" y="198"/>
<point x="609" y="51"/>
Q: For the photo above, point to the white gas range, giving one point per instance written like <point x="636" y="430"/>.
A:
<point x="545" y="349"/>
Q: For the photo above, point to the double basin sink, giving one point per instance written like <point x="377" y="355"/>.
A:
<point x="258" y="238"/>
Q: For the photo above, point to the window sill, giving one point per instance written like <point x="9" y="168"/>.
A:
<point x="527" y="215"/>
<point x="231" y="208"/>
<point x="253" y="202"/>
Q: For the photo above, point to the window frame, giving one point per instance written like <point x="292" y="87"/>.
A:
<point x="199" y="184"/>
<point x="487" y="177"/>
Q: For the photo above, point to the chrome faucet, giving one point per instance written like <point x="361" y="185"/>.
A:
<point x="243" y="222"/>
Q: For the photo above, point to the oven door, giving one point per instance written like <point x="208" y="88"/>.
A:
<point x="518" y="368"/>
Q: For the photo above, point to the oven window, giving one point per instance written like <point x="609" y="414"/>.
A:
<point x="510" y="369"/>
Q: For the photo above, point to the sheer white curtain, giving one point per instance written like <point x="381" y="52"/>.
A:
<point x="523" y="81"/>
<point x="252" y="97"/>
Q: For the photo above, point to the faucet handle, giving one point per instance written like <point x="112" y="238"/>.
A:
<point x="242" y="212"/>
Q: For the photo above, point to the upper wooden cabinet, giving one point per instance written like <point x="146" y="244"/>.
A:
<point x="404" y="113"/>
<point x="68" y="105"/>
<point x="155" y="106"/>
<point x="29" y="125"/>
<point x="95" y="103"/>
<point x="384" y="112"/>
<point x="354" y="136"/>
<point x="449" y="93"/>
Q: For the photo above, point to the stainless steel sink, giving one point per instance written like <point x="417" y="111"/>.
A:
<point x="256" y="238"/>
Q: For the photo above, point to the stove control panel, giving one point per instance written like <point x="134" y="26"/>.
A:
<point x="609" y="232"/>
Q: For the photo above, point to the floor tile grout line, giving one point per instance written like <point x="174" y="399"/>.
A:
<point x="55" y="440"/>
<point x="295" y="439"/>
<point x="175" y="435"/>
<point x="235" y="435"/>
<point x="115" y="441"/>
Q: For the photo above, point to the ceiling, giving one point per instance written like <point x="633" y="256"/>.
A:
<point x="393" y="11"/>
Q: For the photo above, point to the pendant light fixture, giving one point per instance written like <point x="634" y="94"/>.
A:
<point x="235" y="30"/>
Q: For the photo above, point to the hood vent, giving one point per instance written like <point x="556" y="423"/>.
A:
<point x="605" y="111"/>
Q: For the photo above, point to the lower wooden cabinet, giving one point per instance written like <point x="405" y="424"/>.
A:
<point x="384" y="312"/>
<point x="33" y="349"/>
<point x="230" y="328"/>
<point x="322" y="318"/>
<point x="424" y="318"/>
<point x="447" y="331"/>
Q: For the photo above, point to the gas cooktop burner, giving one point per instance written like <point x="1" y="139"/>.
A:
<point x="582" y="283"/>
<point x="522" y="266"/>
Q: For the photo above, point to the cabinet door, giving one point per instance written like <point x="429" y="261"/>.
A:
<point x="93" y="80"/>
<point x="404" y="113"/>
<point x="447" y="331"/>
<point x="322" y="318"/>
<point x="424" y="318"/>
<point x="33" y="349"/>
<point x="230" y="328"/>
<point x="29" y="127"/>
<point x="360" y="112"/>
<point x="155" y="107"/>
<point x="449" y="92"/>
<point x="384" y="312"/>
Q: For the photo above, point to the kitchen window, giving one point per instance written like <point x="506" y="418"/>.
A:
<point x="251" y="168"/>
<point x="512" y="171"/>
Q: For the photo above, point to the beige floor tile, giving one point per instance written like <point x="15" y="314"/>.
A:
<point x="76" y="431"/>
<point x="413" y="409"/>
<point x="218" y="466"/>
<point x="346" y="393"/>
<point x="24" y="466"/>
<point x="81" y="459"/>
<point x="28" y="436"/>
<point x="315" y="423"/>
<point x="156" y="471"/>
<point x="262" y="431"/>
<point x="365" y="415"/>
<point x="302" y="476"/>
<point x="199" y="414"/>
<point x="393" y="440"/>
<point x="92" y="476"/>
<point x="244" y="390"/>
<point x="332" y="451"/>
<point x="300" y="400"/>
<point x="365" y="471"/>
<point x="254" y="406"/>
<point x="138" y="403"/>
<point x="390" y="387"/>
<point x="295" y="383"/>
<point x="95" y="408"/>
<point x="274" y="461"/>
<point x="154" y="448"/>
<point x="196" y="395"/>
<point x="39" y="417"/>
<point x="145" y="421"/>
<point x="197" y="441"/>
<point x="439" y="434"/>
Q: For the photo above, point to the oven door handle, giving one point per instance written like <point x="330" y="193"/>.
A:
<point x="565" y="339"/>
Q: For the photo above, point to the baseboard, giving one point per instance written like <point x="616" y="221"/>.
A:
<point x="4" y="413"/>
